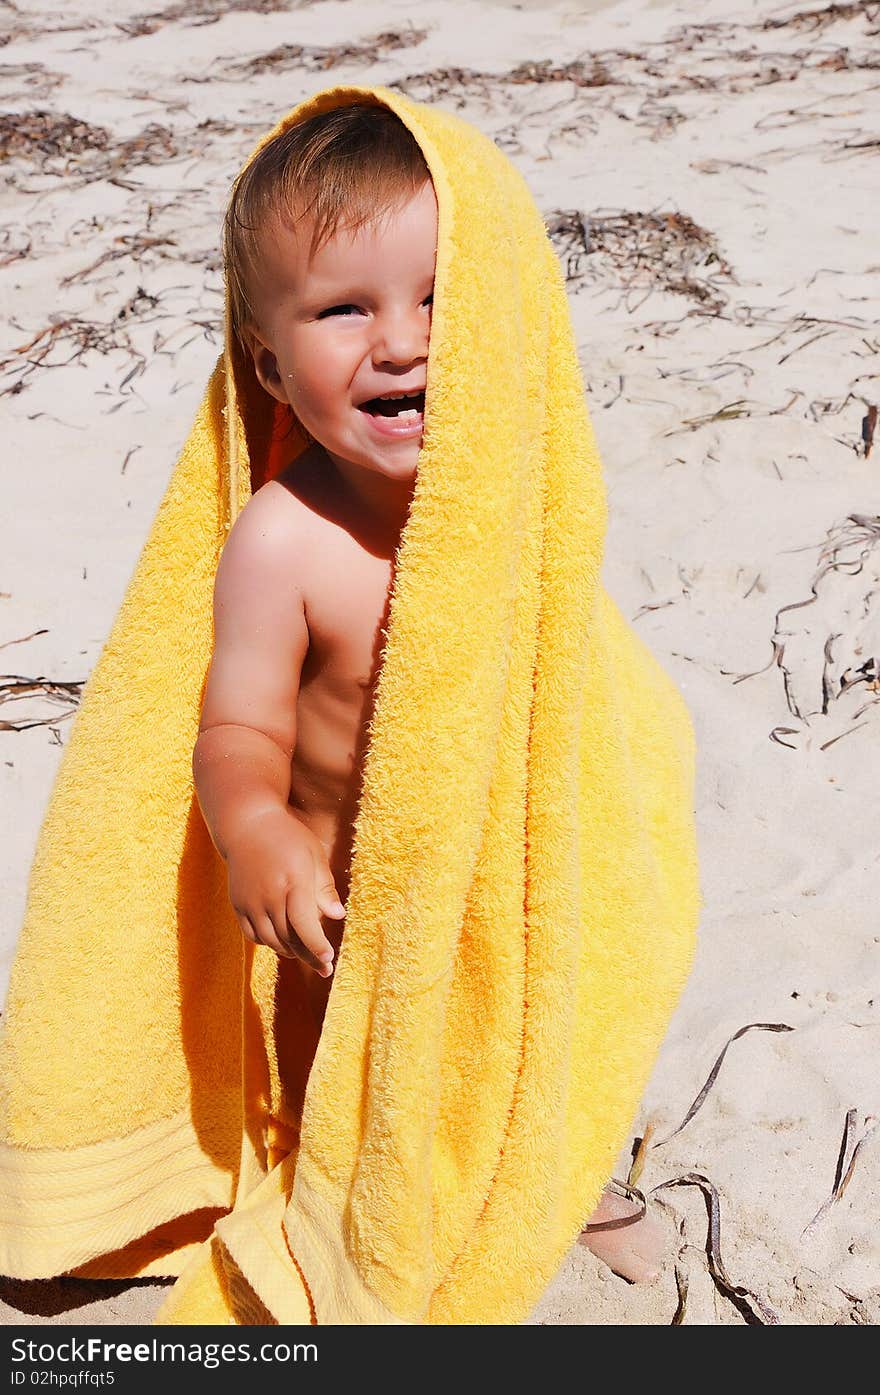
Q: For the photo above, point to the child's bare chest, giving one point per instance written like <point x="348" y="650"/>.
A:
<point x="346" y="593"/>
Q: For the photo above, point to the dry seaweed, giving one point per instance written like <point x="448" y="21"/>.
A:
<point x="22" y="639"/>
<point x="13" y="29"/>
<point x="199" y="12"/>
<point x="132" y="450"/>
<point x="681" y="1285"/>
<point x="72" y="333"/>
<point x="594" y="72"/>
<point x="10" y="253"/>
<point x="858" y="536"/>
<point x="618" y="1222"/>
<point x="640" y="1151"/>
<point x="755" y="1310"/>
<point x="57" y="143"/>
<point x="42" y="135"/>
<point x="14" y="688"/>
<point x="691" y="58"/>
<point x="126" y="245"/>
<point x="37" y="82"/>
<point x="312" y="58"/>
<point x="828" y="14"/>
<point x="848" y="550"/>
<point x="846" y="1161"/>
<point x="713" y="1074"/>
<point x="645" y="252"/>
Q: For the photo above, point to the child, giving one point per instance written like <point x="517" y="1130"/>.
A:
<point x="449" y="725"/>
<point x="331" y="243"/>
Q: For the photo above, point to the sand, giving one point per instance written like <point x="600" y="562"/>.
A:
<point x="705" y="172"/>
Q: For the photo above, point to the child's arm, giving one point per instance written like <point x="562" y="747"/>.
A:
<point x="279" y="876"/>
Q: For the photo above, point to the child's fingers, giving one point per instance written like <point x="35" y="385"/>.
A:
<point x="248" y="924"/>
<point x="326" y="894"/>
<point x="247" y="929"/>
<point x="302" y="914"/>
<point x="282" y="932"/>
<point x="266" y="934"/>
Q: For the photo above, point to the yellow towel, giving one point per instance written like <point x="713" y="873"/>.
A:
<point x="524" y="890"/>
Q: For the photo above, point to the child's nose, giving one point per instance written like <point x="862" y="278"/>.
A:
<point x="402" y="337"/>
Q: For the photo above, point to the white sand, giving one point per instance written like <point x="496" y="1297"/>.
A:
<point x="721" y="515"/>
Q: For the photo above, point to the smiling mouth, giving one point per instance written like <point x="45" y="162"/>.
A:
<point x="396" y="416"/>
<point x="409" y="406"/>
<point x="401" y="408"/>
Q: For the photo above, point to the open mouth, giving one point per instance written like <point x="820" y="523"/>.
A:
<point x="402" y="409"/>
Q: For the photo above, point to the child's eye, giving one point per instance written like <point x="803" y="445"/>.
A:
<point x="338" y="309"/>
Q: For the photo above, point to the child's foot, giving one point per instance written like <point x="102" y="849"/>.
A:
<point x="633" y="1251"/>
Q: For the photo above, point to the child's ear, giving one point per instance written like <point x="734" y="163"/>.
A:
<point x="265" y="364"/>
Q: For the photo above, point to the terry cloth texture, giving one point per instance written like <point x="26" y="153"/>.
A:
<point x="524" y="893"/>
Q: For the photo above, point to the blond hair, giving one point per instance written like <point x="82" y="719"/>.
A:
<point x="354" y="163"/>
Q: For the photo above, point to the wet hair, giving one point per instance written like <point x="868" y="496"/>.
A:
<point x="350" y="165"/>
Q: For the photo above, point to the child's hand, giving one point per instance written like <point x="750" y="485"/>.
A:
<point x="280" y="884"/>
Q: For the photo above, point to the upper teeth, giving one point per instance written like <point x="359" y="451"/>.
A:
<point x="392" y="396"/>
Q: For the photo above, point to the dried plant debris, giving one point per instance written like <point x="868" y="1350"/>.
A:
<point x="13" y="26"/>
<point x="713" y="1074"/>
<point x="319" y="59"/>
<point x="20" y="639"/>
<point x="834" y="645"/>
<point x="640" y="1152"/>
<point x="592" y="71"/>
<point x="42" y="135"/>
<point x="756" y="1310"/>
<point x="58" y="143"/>
<point x="140" y="246"/>
<point x="15" y="245"/>
<point x="152" y="146"/>
<point x="681" y="1285"/>
<point x="70" y="335"/>
<point x="28" y="81"/>
<point x="618" y="1222"/>
<point x="827" y="14"/>
<point x="200" y="12"/>
<point x="14" y="688"/>
<point x="74" y="337"/>
<point x="846" y="1161"/>
<point x="642" y="253"/>
<point x="692" y="58"/>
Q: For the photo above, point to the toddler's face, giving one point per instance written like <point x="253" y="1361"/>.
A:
<point x="350" y="326"/>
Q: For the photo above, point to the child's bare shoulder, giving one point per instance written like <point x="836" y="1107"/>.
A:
<point x="261" y="633"/>
<point x="267" y="545"/>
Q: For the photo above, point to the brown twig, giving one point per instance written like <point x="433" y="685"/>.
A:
<point x="681" y="1284"/>
<point x="844" y="1170"/>
<point x="665" y="252"/>
<point x="754" y="1309"/>
<point x="13" y="688"/>
<point x="22" y="639"/>
<point x="315" y="58"/>
<point x="619" y="1222"/>
<point x="713" y="1074"/>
